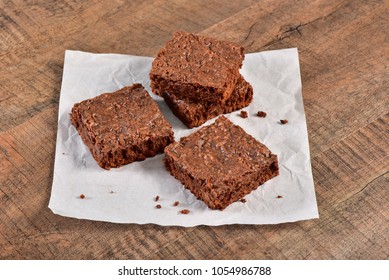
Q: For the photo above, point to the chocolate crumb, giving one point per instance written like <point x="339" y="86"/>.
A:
<point x="261" y="114"/>
<point x="82" y="196"/>
<point x="63" y="153"/>
<point x="243" y="200"/>
<point x="284" y="121"/>
<point x="157" y="198"/>
<point x="111" y="192"/>
<point x="243" y="114"/>
<point x="176" y="203"/>
<point x="158" y="206"/>
<point x="185" y="211"/>
<point x="279" y="196"/>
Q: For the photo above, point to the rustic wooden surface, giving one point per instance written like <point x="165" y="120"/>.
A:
<point x="344" y="56"/>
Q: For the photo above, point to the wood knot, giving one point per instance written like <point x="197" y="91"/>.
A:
<point x="290" y="29"/>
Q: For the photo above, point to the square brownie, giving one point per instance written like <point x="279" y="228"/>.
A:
<point x="220" y="163"/>
<point x="122" y="127"/>
<point x="194" y="114"/>
<point x="196" y="68"/>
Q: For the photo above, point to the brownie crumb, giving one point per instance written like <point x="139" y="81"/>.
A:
<point x="111" y="192"/>
<point x="176" y="203"/>
<point x="185" y="211"/>
<point x="243" y="200"/>
<point x="279" y="196"/>
<point x="157" y="198"/>
<point x="158" y="206"/>
<point x="261" y="114"/>
<point x="82" y="196"/>
<point x="283" y="121"/>
<point x="63" y="153"/>
<point x="243" y="114"/>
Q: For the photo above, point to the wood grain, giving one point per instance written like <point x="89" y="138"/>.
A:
<point x="343" y="48"/>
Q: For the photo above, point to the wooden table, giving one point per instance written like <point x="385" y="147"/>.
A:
<point x="344" y="57"/>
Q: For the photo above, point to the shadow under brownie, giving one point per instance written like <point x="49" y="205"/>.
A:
<point x="220" y="163"/>
<point x="122" y="127"/>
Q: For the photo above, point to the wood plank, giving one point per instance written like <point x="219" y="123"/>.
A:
<point x="329" y="43"/>
<point x="343" y="57"/>
<point x="36" y="35"/>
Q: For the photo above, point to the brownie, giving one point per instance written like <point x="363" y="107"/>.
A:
<point x="220" y="163"/>
<point x="194" y="114"/>
<point x="196" y="68"/>
<point x="122" y="127"/>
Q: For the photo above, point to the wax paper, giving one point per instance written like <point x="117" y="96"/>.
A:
<point x="127" y="194"/>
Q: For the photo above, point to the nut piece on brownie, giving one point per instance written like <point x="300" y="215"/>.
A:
<point x="196" y="68"/>
<point x="220" y="163"/>
<point x="122" y="127"/>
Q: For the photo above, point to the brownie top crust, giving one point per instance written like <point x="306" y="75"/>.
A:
<point x="220" y="151"/>
<point x="232" y="53"/>
<point x="128" y="115"/>
<point x="194" y="59"/>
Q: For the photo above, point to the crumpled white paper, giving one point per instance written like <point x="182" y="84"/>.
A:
<point x="126" y="194"/>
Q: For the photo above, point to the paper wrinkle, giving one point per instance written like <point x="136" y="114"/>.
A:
<point x="126" y="194"/>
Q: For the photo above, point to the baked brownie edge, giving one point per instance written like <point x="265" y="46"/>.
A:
<point x="193" y="71"/>
<point x="214" y="199"/>
<point x="121" y="127"/>
<point x="220" y="163"/>
<point x="194" y="114"/>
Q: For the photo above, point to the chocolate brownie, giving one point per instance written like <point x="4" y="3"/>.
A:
<point x="122" y="127"/>
<point x="220" y="163"/>
<point x="194" y="114"/>
<point x="196" y="68"/>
